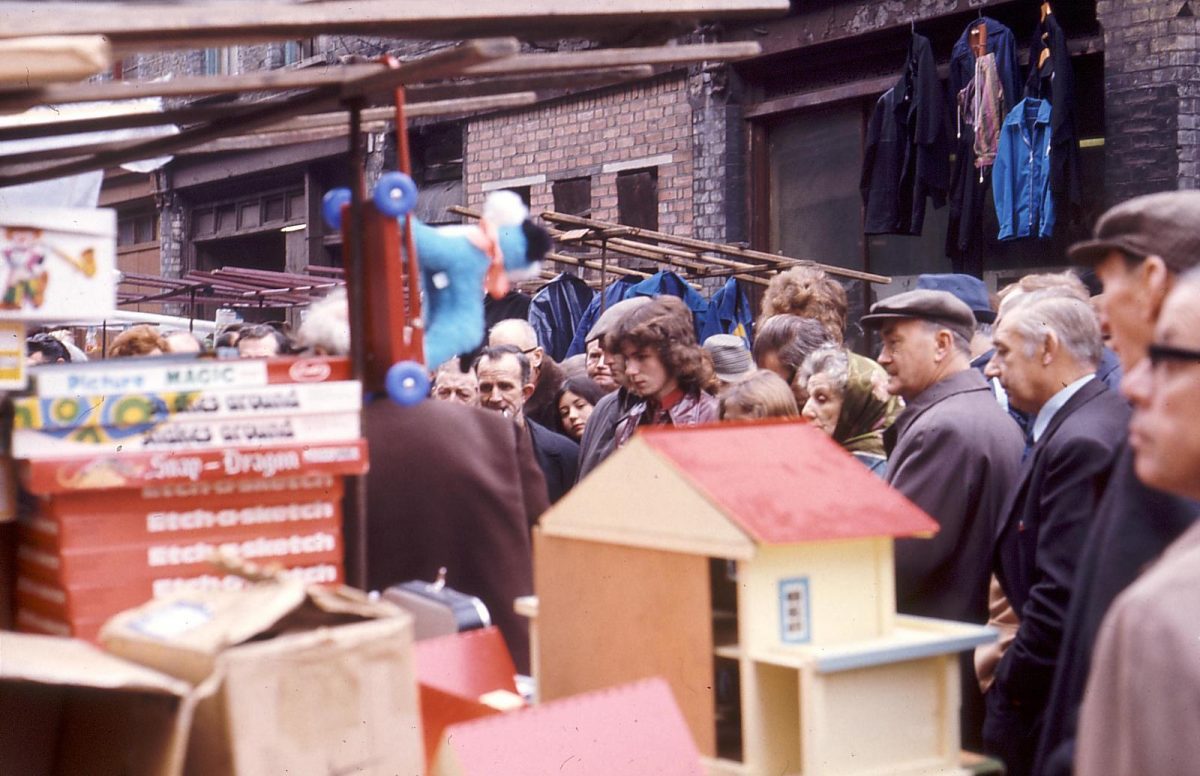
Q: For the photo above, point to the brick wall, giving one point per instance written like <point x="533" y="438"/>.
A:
<point x="1152" y="88"/>
<point x="596" y="136"/>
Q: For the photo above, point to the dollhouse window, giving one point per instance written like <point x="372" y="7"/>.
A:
<point x="794" y="622"/>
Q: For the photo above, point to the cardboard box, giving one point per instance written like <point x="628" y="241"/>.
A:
<point x="69" y="708"/>
<point x="312" y="681"/>
<point x="145" y="469"/>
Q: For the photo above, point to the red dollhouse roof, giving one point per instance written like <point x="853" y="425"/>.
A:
<point x="786" y="482"/>
<point x="630" y="730"/>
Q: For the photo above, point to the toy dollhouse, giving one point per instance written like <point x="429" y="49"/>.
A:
<point x="751" y="566"/>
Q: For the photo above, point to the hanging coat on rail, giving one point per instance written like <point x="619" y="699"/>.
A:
<point x="613" y="293"/>
<point x="555" y="310"/>
<point x="1021" y="175"/>
<point x="970" y="185"/>
<point x="907" y="158"/>
<point x="729" y="312"/>
<point x="1055" y="81"/>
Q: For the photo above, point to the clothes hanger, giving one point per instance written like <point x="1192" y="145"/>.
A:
<point x="1046" y="11"/>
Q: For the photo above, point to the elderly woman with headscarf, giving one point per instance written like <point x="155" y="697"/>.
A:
<point x="848" y="399"/>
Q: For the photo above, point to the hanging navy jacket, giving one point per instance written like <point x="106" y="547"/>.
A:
<point x="1055" y="81"/>
<point x="907" y="156"/>
<point x="1021" y="174"/>
<point x="968" y="184"/>
<point x="555" y="310"/>
<point x="729" y="312"/>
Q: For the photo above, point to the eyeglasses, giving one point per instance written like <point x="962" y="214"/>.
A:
<point x="1168" y="354"/>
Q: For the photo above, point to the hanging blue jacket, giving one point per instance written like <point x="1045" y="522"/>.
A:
<point x="663" y="282"/>
<point x="555" y="312"/>
<point x="729" y="312"/>
<point x="615" y="292"/>
<point x="1021" y="174"/>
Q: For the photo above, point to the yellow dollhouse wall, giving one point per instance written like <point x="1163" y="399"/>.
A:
<point x="822" y="593"/>
<point x="897" y="719"/>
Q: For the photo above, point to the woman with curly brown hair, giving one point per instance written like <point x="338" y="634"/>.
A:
<point x="809" y="293"/>
<point x="663" y="366"/>
<point x="140" y="340"/>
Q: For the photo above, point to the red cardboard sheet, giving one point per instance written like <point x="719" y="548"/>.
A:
<point x="68" y="604"/>
<point x="181" y="520"/>
<point x="287" y="545"/>
<point x="143" y="469"/>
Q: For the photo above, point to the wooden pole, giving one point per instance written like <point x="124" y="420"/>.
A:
<point x="355" y="533"/>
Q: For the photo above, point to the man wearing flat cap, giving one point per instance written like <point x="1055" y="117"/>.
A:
<point x="1139" y="249"/>
<point x="956" y="454"/>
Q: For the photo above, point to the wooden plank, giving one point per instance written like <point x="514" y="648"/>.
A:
<point x="812" y="24"/>
<point x="439" y="64"/>
<point x="650" y="55"/>
<point x="282" y="80"/>
<point x="322" y="126"/>
<point x="155" y="26"/>
<point x="657" y="601"/>
<point x="705" y="245"/>
<point x="38" y="60"/>
<point x="1080" y="46"/>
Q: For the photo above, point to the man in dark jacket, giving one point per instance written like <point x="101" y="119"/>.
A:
<point x="505" y="385"/>
<point x="956" y="454"/>
<point x="458" y="487"/>
<point x="1047" y="348"/>
<point x="1139" y="248"/>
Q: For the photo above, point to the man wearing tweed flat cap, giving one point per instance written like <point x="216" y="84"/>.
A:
<point x="1138" y="250"/>
<point x="956" y="454"/>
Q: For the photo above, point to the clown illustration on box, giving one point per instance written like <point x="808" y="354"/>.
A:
<point x="24" y="252"/>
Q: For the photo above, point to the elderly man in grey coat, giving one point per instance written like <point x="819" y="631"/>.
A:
<point x="956" y="454"/>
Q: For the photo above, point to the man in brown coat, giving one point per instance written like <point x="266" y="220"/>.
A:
<point x="956" y="454"/>
<point x="458" y="487"/>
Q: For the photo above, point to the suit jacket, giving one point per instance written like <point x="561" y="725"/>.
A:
<point x="956" y="454"/>
<point x="458" y="487"/>
<point x="557" y="456"/>
<point x="1046" y="520"/>
<point x="1133" y="524"/>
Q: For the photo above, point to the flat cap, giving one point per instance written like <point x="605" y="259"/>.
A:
<point x="1166" y="225"/>
<point x="731" y="358"/>
<point x="970" y="289"/>
<point x="940" y="307"/>
<point x="609" y="319"/>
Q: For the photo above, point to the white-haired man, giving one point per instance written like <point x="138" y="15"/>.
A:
<point x="1048" y="344"/>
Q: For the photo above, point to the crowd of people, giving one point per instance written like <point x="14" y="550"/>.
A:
<point x="1004" y="416"/>
<point x="1052" y="433"/>
<point x="236" y="340"/>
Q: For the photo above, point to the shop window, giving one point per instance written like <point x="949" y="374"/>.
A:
<point x="573" y="196"/>
<point x="637" y="198"/>
<point x="297" y="50"/>
<point x="221" y="61"/>
<point x="137" y="229"/>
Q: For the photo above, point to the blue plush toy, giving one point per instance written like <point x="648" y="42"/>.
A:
<point x="458" y="263"/>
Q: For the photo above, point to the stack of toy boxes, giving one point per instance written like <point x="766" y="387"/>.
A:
<point x="142" y="470"/>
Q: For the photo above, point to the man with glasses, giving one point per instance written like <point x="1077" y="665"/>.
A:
<point x="1139" y="249"/>
<point x="1140" y="713"/>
